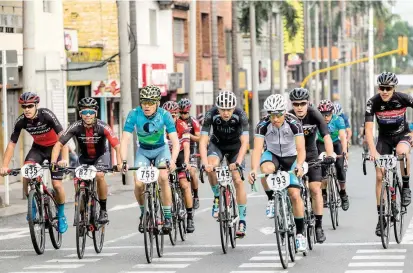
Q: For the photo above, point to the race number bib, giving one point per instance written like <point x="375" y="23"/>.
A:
<point x="387" y="161"/>
<point x="278" y="181"/>
<point x="31" y="171"/>
<point x="223" y="173"/>
<point x="147" y="174"/>
<point x="86" y="173"/>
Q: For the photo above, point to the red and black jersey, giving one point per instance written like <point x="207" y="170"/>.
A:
<point x="44" y="128"/>
<point x="193" y="126"/>
<point x="183" y="134"/>
<point x="91" y="140"/>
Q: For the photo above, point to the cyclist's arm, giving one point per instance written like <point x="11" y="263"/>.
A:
<point x="8" y="154"/>
<point x="118" y="154"/>
<point x="328" y="144"/>
<point x="256" y="152"/>
<point x="349" y="134"/>
<point x="343" y="139"/>
<point x="368" y="127"/>
<point x="175" y="145"/>
<point x="243" y="149"/>
<point x="56" y="151"/>
<point x="324" y="133"/>
<point x="187" y="152"/>
<point x="300" y="146"/>
<point x="203" y="141"/>
<point x="124" y="143"/>
<point x="197" y="131"/>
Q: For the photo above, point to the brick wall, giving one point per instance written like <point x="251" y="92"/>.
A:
<point x="96" y="23"/>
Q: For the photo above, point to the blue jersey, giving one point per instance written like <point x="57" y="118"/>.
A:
<point x="345" y="118"/>
<point x="150" y="131"/>
<point x="334" y="126"/>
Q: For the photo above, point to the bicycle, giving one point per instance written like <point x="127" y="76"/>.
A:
<point x="228" y="217"/>
<point x="87" y="208"/>
<point x="40" y="197"/>
<point x="153" y="215"/>
<point x="309" y="217"/>
<point x="178" y="210"/>
<point x="391" y="208"/>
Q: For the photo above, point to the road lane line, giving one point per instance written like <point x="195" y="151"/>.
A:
<point x="176" y="259"/>
<point x="161" y="265"/>
<point x="371" y="264"/>
<point x="264" y="265"/>
<point x="374" y="271"/>
<point x="72" y="260"/>
<point x="361" y="251"/>
<point x="93" y="255"/>
<point x="54" y="266"/>
<point x="271" y="258"/>
<point x="185" y="253"/>
<point x="380" y="257"/>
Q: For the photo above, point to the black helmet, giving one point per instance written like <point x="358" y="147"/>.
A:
<point x="88" y="102"/>
<point x="29" y="97"/>
<point x="299" y="94"/>
<point x="387" y="79"/>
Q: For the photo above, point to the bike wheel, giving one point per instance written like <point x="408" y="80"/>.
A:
<point x="223" y="220"/>
<point x="384" y="215"/>
<point x="233" y="228"/>
<point x="398" y="212"/>
<point x="311" y="232"/>
<point x="98" y="233"/>
<point x="338" y="200"/>
<point x="81" y="220"/>
<point x="148" y="228"/>
<point x="292" y="247"/>
<point x="331" y="195"/>
<point x="159" y="236"/>
<point x="182" y="217"/>
<point x="173" y="234"/>
<point x="55" y="235"/>
<point x="36" y="222"/>
<point x="280" y="232"/>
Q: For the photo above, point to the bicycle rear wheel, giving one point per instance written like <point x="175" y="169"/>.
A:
<point x="81" y="220"/>
<point x="36" y="223"/>
<point x="182" y="216"/>
<point x="398" y="211"/>
<point x="98" y="233"/>
<point x="280" y="233"/>
<point x="292" y="247"/>
<point x="148" y="227"/>
<point x="234" y="214"/>
<point x="384" y="216"/>
<point x="223" y="220"/>
<point x="55" y="235"/>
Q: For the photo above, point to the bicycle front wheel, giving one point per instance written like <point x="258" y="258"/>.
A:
<point x="159" y="235"/>
<point x="81" y="222"/>
<point x="36" y="223"/>
<point x="234" y="215"/>
<point x="384" y="216"/>
<point x="182" y="216"/>
<point x="223" y="220"/>
<point x="98" y="233"/>
<point x="398" y="211"/>
<point x="332" y="199"/>
<point x="280" y="233"/>
<point x="55" y="235"/>
<point x="173" y="234"/>
<point x="148" y="227"/>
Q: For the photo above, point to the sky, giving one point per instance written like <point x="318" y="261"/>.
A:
<point x="405" y="9"/>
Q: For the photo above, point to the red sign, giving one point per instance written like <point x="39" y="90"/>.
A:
<point x="155" y="74"/>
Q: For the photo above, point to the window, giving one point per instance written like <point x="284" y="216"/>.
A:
<point x="206" y="42"/>
<point x="153" y="26"/>
<point x="46" y="6"/>
<point x="9" y="30"/>
<point x="179" y="35"/>
<point x="221" y="36"/>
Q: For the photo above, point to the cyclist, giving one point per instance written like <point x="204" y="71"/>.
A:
<point x="338" y="110"/>
<point x="312" y="121"/>
<point x="184" y="152"/>
<point x="195" y="135"/>
<point x="337" y="127"/>
<point x="43" y="125"/>
<point x="229" y="136"/>
<point x="91" y="134"/>
<point x="150" y="122"/>
<point x="283" y="134"/>
<point x="389" y="107"/>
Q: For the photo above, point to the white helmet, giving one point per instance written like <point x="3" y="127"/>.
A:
<point x="226" y="100"/>
<point x="275" y="102"/>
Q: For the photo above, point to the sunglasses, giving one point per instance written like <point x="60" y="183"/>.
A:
<point x="326" y="114"/>
<point x="386" y="88"/>
<point x="184" y="113"/>
<point x="88" y="112"/>
<point x="298" y="104"/>
<point x="148" y="102"/>
<point x="277" y="114"/>
<point x="28" y="106"/>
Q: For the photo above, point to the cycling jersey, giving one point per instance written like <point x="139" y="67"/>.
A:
<point x="150" y="130"/>
<point x="280" y="141"/>
<point x="225" y="133"/>
<point x="390" y="115"/>
<point x="183" y="134"/>
<point x="91" y="140"/>
<point x="345" y="118"/>
<point x="312" y="122"/>
<point x="334" y="126"/>
<point x="193" y="126"/>
<point x="44" y="128"/>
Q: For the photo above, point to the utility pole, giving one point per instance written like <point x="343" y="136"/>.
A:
<point x="317" y="50"/>
<point x="125" y="72"/>
<point x="344" y="71"/>
<point x="192" y="55"/>
<point x="234" y="51"/>
<point x="330" y="45"/>
<point x="134" y="68"/>
<point x="371" y="52"/>
<point x="281" y="52"/>
<point x="308" y="25"/>
<point x="215" y="59"/>
<point x="323" y="39"/>
<point x="254" y="67"/>
<point x="271" y="42"/>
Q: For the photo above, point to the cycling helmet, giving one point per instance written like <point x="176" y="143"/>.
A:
<point x="226" y="100"/>
<point x="88" y="102"/>
<point x="325" y="106"/>
<point x="171" y="106"/>
<point x="387" y="79"/>
<point x="338" y="110"/>
<point x="185" y="104"/>
<point x="29" y="97"/>
<point x="299" y="94"/>
<point x="275" y="102"/>
<point x="150" y="92"/>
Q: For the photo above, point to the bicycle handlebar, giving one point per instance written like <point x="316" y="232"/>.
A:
<point x="202" y="169"/>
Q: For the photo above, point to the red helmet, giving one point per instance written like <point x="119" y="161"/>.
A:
<point x="325" y="106"/>
<point x="171" y="106"/>
<point x="29" y="97"/>
<point x="185" y="105"/>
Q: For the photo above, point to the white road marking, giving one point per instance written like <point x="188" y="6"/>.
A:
<point x="374" y="271"/>
<point x="38" y="272"/>
<point x="202" y="210"/>
<point x="5" y="230"/>
<point x="408" y="236"/>
<point x="13" y="233"/>
<point x="8" y="257"/>
<point x="380" y="257"/>
<point x="176" y="259"/>
<point x="55" y="266"/>
<point x="271" y="258"/>
<point x="186" y="253"/>
<point x="72" y="260"/>
<point x="259" y="271"/>
<point x="93" y="255"/>
<point x="122" y="207"/>
<point x="140" y="272"/>
<point x="267" y="230"/>
<point x="263" y="265"/>
<point x="270" y="252"/>
<point x="371" y="264"/>
<point x="122" y="238"/>
<point x="360" y="251"/>
<point x="161" y="265"/>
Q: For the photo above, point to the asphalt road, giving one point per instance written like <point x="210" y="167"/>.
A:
<point x="352" y="248"/>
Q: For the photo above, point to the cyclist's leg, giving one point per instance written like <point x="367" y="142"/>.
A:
<point x="140" y="160"/>
<point x="187" y="194"/>
<point x="102" y="187"/>
<point x="403" y="147"/>
<point x="321" y="148"/>
<point x="341" y="176"/>
<point x="194" y="182"/>
<point x="268" y="164"/>
<point x="214" y="158"/>
<point x="161" y="156"/>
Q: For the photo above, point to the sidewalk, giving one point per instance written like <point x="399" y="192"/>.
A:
<point x="18" y="205"/>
